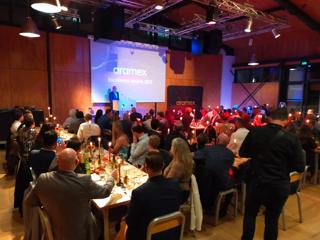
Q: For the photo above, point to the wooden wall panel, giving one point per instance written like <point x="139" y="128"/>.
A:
<point x="29" y="87"/>
<point x="5" y="96"/>
<point x="69" y="53"/>
<point x="23" y="69"/>
<point x="71" y="83"/>
<point x="183" y="69"/>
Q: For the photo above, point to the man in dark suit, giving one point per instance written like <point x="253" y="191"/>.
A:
<point x="113" y="95"/>
<point x="40" y="160"/>
<point x="65" y="196"/>
<point x="213" y="175"/>
<point x="177" y="132"/>
<point x="134" y="116"/>
<point x="274" y="153"/>
<point x="157" y="197"/>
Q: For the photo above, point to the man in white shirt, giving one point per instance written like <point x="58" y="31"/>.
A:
<point x="238" y="136"/>
<point x="18" y="119"/>
<point x="88" y="129"/>
<point x="139" y="147"/>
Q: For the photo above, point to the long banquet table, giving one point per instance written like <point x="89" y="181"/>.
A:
<point x="120" y="195"/>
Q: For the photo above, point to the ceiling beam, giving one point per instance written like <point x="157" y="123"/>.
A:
<point x="305" y="18"/>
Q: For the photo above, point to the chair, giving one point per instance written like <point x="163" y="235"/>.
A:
<point x="46" y="225"/>
<point x="296" y="184"/>
<point x="193" y="206"/>
<point x="166" y="222"/>
<point x="218" y="203"/>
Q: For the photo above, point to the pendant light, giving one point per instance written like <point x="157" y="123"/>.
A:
<point x="46" y="6"/>
<point x="29" y="29"/>
<point x="253" y="61"/>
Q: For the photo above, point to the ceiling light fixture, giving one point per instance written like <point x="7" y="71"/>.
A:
<point x="275" y="33"/>
<point x="248" y="29"/>
<point x="46" y="6"/>
<point x="211" y="15"/>
<point x="55" y="23"/>
<point x="29" y="29"/>
<point x="158" y="7"/>
<point x="253" y="61"/>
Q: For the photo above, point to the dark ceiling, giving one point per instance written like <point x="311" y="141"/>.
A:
<point x="181" y="14"/>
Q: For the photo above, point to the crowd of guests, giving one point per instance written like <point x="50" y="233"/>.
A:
<point x="169" y="146"/>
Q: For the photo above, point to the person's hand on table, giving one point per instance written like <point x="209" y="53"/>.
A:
<point x="115" y="175"/>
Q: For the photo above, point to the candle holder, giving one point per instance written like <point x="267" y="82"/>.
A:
<point x="120" y="183"/>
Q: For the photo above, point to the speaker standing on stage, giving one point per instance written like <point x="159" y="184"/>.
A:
<point x="113" y="95"/>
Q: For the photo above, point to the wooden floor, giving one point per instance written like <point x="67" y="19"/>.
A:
<point x="11" y="226"/>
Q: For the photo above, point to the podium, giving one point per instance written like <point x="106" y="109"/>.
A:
<point x="115" y="105"/>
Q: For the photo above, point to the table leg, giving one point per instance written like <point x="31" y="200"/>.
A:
<point x="106" y="223"/>
<point x="316" y="166"/>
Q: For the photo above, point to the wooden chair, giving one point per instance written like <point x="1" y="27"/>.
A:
<point x="218" y="203"/>
<point x="296" y="184"/>
<point x="123" y="230"/>
<point x="46" y="225"/>
<point x="166" y="222"/>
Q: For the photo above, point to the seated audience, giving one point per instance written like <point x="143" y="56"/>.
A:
<point x="40" y="160"/>
<point x="163" y="121"/>
<point x="105" y="121"/>
<point x="88" y="129"/>
<point x="135" y="115"/>
<point x="26" y="136"/>
<point x="69" y="120"/>
<point x="38" y="144"/>
<point x="99" y="113"/>
<point x="309" y="145"/>
<point x="147" y="121"/>
<point x="177" y="132"/>
<point x="157" y="197"/>
<point x="139" y="146"/>
<point x="238" y="136"/>
<point x="65" y="196"/>
<point x="18" y="120"/>
<point x="214" y="174"/>
<point x="154" y="143"/>
<point x="74" y="125"/>
<point x="127" y="125"/>
<point x="120" y="140"/>
<point x="181" y="166"/>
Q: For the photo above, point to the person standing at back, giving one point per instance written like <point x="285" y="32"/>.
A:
<point x="274" y="154"/>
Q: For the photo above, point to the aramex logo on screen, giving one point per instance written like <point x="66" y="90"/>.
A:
<point x="129" y="71"/>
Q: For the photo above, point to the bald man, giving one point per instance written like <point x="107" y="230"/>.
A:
<point x="65" y="195"/>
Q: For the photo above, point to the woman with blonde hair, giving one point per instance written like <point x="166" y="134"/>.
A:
<point x="181" y="166"/>
<point x="120" y="140"/>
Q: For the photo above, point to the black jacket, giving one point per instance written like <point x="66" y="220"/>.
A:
<point x="40" y="160"/>
<point x="212" y="173"/>
<point x="273" y="156"/>
<point x="157" y="197"/>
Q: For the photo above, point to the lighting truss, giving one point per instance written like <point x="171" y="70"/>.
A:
<point x="149" y="11"/>
<point x="264" y="29"/>
<point x="244" y="10"/>
<point x="199" y="22"/>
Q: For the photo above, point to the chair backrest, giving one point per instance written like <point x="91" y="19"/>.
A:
<point x="46" y="225"/>
<point x="166" y="222"/>
<point x="33" y="174"/>
<point x="296" y="181"/>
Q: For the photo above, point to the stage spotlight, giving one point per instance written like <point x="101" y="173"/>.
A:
<point x="55" y="23"/>
<point x="248" y="29"/>
<point x="211" y="15"/>
<point x="275" y="33"/>
<point x="253" y="61"/>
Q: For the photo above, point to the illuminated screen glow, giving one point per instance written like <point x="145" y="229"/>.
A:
<point x="138" y="71"/>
